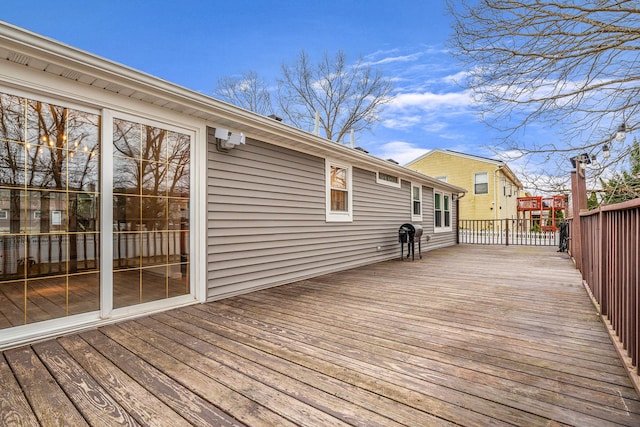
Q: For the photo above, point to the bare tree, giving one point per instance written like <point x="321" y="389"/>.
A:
<point x="571" y="65"/>
<point x="345" y="96"/>
<point x="247" y="91"/>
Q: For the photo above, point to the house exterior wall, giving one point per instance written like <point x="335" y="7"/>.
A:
<point x="267" y="226"/>
<point x="500" y="201"/>
<point x="218" y="225"/>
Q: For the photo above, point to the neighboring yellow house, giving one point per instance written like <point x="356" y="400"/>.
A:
<point x="493" y="187"/>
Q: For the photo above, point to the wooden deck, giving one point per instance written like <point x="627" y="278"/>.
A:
<point x="470" y="335"/>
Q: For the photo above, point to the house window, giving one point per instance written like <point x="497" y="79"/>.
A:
<point x="447" y="210"/>
<point x="442" y="178"/>
<point x="416" y="202"/>
<point x="481" y="183"/>
<point x="338" y="192"/>
<point x="4" y="214"/>
<point x="386" y="179"/>
<point x="442" y="211"/>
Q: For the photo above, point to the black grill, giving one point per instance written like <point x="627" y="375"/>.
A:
<point x="409" y="234"/>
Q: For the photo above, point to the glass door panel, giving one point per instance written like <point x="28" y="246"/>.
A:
<point x="150" y="213"/>
<point x="49" y="217"/>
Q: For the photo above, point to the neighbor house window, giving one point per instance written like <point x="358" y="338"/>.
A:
<point x="386" y="179"/>
<point x="416" y="202"/>
<point x="481" y="183"/>
<point x="338" y="192"/>
<point x="442" y="211"/>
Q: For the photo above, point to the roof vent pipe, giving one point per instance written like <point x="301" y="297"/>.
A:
<point x="316" y="126"/>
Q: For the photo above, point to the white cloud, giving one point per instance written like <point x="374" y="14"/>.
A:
<point x="402" y="122"/>
<point x="432" y="101"/>
<point x="400" y="151"/>
<point x="456" y="78"/>
<point x="394" y="59"/>
<point x="509" y="155"/>
<point x="427" y="111"/>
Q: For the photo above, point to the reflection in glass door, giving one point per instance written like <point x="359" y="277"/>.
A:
<point x="150" y="213"/>
<point x="49" y="199"/>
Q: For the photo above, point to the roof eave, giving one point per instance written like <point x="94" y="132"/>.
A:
<point x="25" y="46"/>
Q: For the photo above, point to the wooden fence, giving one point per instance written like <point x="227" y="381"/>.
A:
<point x="507" y="232"/>
<point x="610" y="259"/>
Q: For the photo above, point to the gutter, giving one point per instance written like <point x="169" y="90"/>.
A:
<point x="495" y="191"/>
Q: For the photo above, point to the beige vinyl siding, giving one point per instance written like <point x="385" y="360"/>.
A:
<point x="267" y="224"/>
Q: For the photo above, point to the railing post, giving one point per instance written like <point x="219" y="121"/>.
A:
<point x="602" y="259"/>
<point x="579" y="201"/>
<point x="507" y="230"/>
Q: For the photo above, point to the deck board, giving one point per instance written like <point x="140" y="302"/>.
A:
<point x="470" y="335"/>
<point x="95" y="403"/>
<point x="46" y="397"/>
<point x="139" y="402"/>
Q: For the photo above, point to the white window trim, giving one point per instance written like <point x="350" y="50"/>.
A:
<point x="335" y="216"/>
<point x="413" y="216"/>
<point x="442" y="229"/>
<point x="390" y="184"/>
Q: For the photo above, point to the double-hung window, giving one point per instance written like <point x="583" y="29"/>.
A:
<point x="416" y="202"/>
<point x="339" y="197"/>
<point x="442" y="211"/>
<point x="481" y="183"/>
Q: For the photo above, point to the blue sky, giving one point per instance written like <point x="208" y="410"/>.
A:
<point x="193" y="43"/>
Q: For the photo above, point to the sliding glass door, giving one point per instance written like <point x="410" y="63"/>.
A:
<point x="51" y="224"/>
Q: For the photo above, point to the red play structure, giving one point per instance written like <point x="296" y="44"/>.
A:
<point x="543" y="210"/>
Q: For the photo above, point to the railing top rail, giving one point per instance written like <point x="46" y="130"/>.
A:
<point x="629" y="204"/>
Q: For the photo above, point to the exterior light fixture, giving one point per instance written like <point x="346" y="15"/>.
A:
<point x="236" y="139"/>
<point x="581" y="160"/>
<point x="222" y="133"/>
<point x="580" y="163"/>
<point x="606" y="151"/>
<point x="226" y="140"/>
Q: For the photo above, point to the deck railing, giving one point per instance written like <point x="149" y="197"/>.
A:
<point x="507" y="232"/>
<point x="610" y="238"/>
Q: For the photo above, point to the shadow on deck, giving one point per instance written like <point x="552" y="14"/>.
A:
<point x="470" y="335"/>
